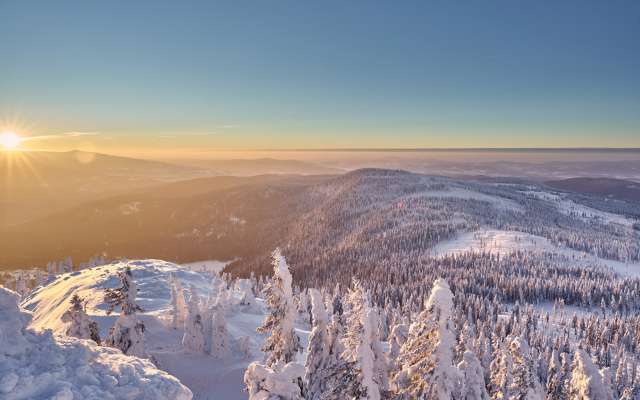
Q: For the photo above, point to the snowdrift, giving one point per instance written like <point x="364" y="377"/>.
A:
<point x="40" y="366"/>
<point x="48" y="303"/>
<point x="207" y="377"/>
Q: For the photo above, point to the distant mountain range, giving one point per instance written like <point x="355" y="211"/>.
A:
<point x="36" y="183"/>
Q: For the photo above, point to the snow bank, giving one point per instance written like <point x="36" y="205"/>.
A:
<point x="38" y="366"/>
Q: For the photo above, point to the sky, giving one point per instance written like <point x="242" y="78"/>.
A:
<point x="156" y="76"/>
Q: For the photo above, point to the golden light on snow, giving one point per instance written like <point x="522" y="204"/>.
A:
<point x="10" y="140"/>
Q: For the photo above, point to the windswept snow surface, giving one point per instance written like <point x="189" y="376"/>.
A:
<point x="504" y="242"/>
<point x="207" y="377"/>
<point x="38" y="366"/>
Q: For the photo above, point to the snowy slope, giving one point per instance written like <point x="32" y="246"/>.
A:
<point x="504" y="242"/>
<point x="151" y="276"/>
<point x="40" y="366"/>
<point x="207" y="377"/>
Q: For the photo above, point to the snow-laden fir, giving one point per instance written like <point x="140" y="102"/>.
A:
<point x="267" y="339"/>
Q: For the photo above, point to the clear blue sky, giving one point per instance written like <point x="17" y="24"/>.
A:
<point x="274" y="74"/>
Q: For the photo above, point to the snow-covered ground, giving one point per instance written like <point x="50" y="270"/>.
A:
<point x="498" y="202"/>
<point x="207" y="377"/>
<point x="571" y="208"/>
<point x="37" y="366"/>
<point x="504" y="242"/>
<point x="210" y="266"/>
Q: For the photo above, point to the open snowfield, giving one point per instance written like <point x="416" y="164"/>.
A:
<point x="571" y="208"/>
<point x="498" y="202"/>
<point x="207" y="377"/>
<point x="505" y="242"/>
<point x="209" y="266"/>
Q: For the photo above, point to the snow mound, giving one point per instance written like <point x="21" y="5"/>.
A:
<point x="207" y="377"/>
<point x="48" y="303"/>
<point x="39" y="366"/>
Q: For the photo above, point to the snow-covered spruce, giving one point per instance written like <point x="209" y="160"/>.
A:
<point x="472" y="386"/>
<point x="220" y="346"/>
<point x="587" y="381"/>
<point x="127" y="334"/>
<point x="78" y="322"/>
<point x="263" y="383"/>
<point x="41" y="366"/>
<point x="426" y="358"/>
<point x="193" y="339"/>
<point x="361" y="375"/>
<point x="283" y="344"/>
<point x="178" y="303"/>
<point x="318" y="349"/>
<point x="280" y="377"/>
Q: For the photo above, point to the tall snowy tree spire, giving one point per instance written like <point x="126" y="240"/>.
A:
<point x="359" y="376"/>
<point x="283" y="343"/>
<point x="193" y="338"/>
<point x="318" y="349"/>
<point x="427" y="355"/>
<point x="178" y="303"/>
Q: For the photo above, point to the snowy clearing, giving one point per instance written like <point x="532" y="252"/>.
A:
<point x="466" y="194"/>
<point x="585" y="213"/>
<point x="208" y="266"/>
<point x="504" y="242"/>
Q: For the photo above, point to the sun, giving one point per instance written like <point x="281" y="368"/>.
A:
<point x="10" y="140"/>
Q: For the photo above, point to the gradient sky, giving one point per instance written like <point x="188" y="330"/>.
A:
<point x="166" y="76"/>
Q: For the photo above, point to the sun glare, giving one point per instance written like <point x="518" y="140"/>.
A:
<point x="10" y="140"/>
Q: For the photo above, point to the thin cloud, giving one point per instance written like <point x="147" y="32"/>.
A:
<point x="61" y="135"/>
<point x="75" y="134"/>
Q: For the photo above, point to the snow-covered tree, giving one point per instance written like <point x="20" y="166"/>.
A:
<point x="127" y="334"/>
<point x="245" y="288"/>
<point x="525" y="384"/>
<point x="283" y="344"/>
<point x="263" y="383"/>
<point x="554" y="379"/>
<point x="280" y="377"/>
<point x="335" y="368"/>
<point x="193" y="338"/>
<point x="380" y="361"/>
<point x="472" y="378"/>
<point x="318" y="348"/>
<point x="220" y="347"/>
<point x="397" y="338"/>
<point x="587" y="381"/>
<point x="358" y="377"/>
<point x="179" y="309"/>
<point x="501" y="374"/>
<point x="78" y="322"/>
<point x="426" y="357"/>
